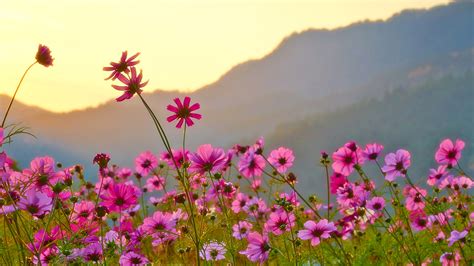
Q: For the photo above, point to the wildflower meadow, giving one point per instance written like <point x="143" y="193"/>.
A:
<point x="234" y="206"/>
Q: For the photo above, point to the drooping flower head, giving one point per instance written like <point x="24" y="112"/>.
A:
<point x="282" y="159"/>
<point x="316" y="231"/>
<point x="132" y="85"/>
<point x="396" y="164"/>
<point x="183" y="112"/>
<point x="448" y="152"/>
<point x="207" y="159"/>
<point x="145" y="163"/>
<point x="122" y="66"/>
<point x="43" y="56"/>
<point x="212" y="251"/>
<point x="258" y="248"/>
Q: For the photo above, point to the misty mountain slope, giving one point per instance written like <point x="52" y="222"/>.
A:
<point x="413" y="119"/>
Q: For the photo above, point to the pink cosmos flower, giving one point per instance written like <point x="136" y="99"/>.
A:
<point x="207" y="159"/>
<point x="213" y="251"/>
<point x="457" y="236"/>
<point x="436" y="176"/>
<point x="83" y="211"/>
<point x="119" y="197"/>
<point x="372" y="151"/>
<point x="317" y="231"/>
<point x="256" y="207"/>
<point x="419" y="220"/>
<point x="414" y="199"/>
<point x="160" y="221"/>
<point x="396" y="164"/>
<point x="133" y="259"/>
<point x="258" y="248"/>
<point x="280" y="222"/>
<point x="183" y="112"/>
<point x="450" y="259"/>
<point x="145" y="163"/>
<point x="47" y="256"/>
<point x="241" y="229"/>
<point x="43" y="56"/>
<point x="42" y="171"/>
<point x="132" y="85"/>
<point x="282" y="159"/>
<point x="449" y="153"/>
<point x="376" y="203"/>
<point x="36" y="203"/>
<point x="240" y="201"/>
<point x="155" y="183"/>
<point x="178" y="155"/>
<point x="251" y="164"/>
<point x="344" y="161"/>
<point x="336" y="181"/>
<point x="462" y="182"/>
<point x="122" y="66"/>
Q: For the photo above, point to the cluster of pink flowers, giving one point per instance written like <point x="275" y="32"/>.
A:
<point x="235" y="205"/>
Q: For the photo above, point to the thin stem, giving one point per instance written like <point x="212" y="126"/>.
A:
<point x="16" y="91"/>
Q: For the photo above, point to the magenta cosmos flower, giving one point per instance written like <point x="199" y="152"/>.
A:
<point x="396" y="164"/>
<point x="122" y="66"/>
<point x="36" y="203"/>
<point x="316" y="231"/>
<point x="344" y="161"/>
<point x="155" y="183"/>
<point x="133" y="259"/>
<point x="450" y="259"/>
<point x="258" y="248"/>
<point x="183" y="112"/>
<point x="279" y="222"/>
<point x="132" y="85"/>
<point x="43" y="56"/>
<point x="213" y="251"/>
<point x="160" y="221"/>
<point x="145" y="163"/>
<point x="376" y="203"/>
<point x="282" y="159"/>
<point x="372" y="151"/>
<point x="251" y="164"/>
<point x="449" y="152"/>
<point x="119" y="197"/>
<point x="207" y="159"/>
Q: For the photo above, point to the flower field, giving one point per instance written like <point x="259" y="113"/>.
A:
<point x="236" y="206"/>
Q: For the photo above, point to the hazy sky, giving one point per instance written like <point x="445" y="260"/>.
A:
<point x="184" y="44"/>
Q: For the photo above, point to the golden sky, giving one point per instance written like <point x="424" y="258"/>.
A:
<point x="184" y="44"/>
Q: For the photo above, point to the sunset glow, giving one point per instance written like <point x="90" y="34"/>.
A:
<point x="184" y="44"/>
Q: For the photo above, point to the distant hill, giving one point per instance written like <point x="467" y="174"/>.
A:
<point x="312" y="72"/>
<point x="413" y="119"/>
